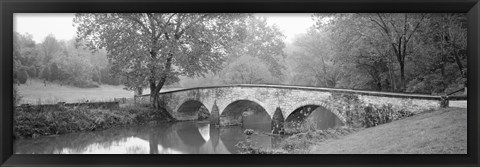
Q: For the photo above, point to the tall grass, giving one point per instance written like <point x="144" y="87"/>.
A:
<point x="68" y="120"/>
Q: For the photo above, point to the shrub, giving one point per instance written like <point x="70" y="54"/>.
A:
<point x="32" y="72"/>
<point x="23" y="76"/>
<point x="203" y="113"/>
<point x="35" y="122"/>
<point x="84" y="83"/>
<point x="300" y="127"/>
<point x="379" y="115"/>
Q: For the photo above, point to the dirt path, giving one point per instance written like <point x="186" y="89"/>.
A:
<point x="439" y="132"/>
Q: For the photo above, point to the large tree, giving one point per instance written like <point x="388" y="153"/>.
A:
<point x="49" y="48"/>
<point x="403" y="52"/>
<point x="156" y="48"/>
<point x="395" y="30"/>
<point x="315" y="58"/>
<point x="263" y="41"/>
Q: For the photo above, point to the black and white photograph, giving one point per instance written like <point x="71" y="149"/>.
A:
<point x="240" y="83"/>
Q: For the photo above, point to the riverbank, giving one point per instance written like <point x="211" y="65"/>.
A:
<point x="78" y="119"/>
<point x="442" y="131"/>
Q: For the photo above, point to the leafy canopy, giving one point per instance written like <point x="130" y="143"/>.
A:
<point x="154" y="47"/>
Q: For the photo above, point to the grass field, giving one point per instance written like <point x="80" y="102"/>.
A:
<point x="443" y="131"/>
<point x="34" y="92"/>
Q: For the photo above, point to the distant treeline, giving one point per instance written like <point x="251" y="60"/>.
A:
<point x="399" y="52"/>
<point x="63" y="62"/>
<point x="418" y="53"/>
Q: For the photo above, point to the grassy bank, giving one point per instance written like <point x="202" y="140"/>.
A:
<point x="443" y="131"/>
<point x="69" y="120"/>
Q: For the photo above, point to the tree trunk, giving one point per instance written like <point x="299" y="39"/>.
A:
<point x="155" y="89"/>
<point x="402" y="76"/>
<point x="153" y="99"/>
<point x="458" y="60"/>
<point x="154" y="94"/>
<point x="444" y="59"/>
<point x="392" y="78"/>
<point x="152" y="88"/>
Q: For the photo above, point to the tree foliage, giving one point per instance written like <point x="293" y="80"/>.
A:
<point x="399" y="52"/>
<point x="64" y="62"/>
<point x="247" y="70"/>
<point x="156" y="48"/>
<point x="314" y="60"/>
<point x="259" y="39"/>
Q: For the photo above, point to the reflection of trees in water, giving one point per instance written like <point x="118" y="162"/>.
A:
<point x="78" y="142"/>
<point x="187" y="137"/>
<point x="184" y="137"/>
<point x="189" y="134"/>
<point x="134" y="150"/>
<point x="230" y="136"/>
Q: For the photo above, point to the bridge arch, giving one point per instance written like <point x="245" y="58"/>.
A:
<point x="290" y="110"/>
<point x="247" y="113"/>
<point x="223" y="104"/>
<point x="189" y="109"/>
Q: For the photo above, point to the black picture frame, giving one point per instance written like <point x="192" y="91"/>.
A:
<point x="8" y="7"/>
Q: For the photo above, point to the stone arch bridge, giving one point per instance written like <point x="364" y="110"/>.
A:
<point x="281" y="102"/>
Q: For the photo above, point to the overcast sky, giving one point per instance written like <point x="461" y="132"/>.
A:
<point x="61" y="25"/>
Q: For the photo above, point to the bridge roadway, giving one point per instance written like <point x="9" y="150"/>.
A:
<point x="280" y="102"/>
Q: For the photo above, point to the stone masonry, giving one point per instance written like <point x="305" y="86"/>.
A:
<point x="279" y="99"/>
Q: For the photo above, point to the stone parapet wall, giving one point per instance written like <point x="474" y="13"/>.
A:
<point x="413" y="105"/>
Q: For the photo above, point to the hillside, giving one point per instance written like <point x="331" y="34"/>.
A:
<point x="442" y="131"/>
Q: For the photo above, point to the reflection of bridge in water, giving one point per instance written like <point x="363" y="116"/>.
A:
<point x="180" y="137"/>
<point x="188" y="137"/>
<point x="202" y="138"/>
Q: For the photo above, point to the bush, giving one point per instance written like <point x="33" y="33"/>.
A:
<point x="23" y="76"/>
<point x="32" y="72"/>
<point x="375" y="115"/>
<point x="203" y="113"/>
<point x="300" y="127"/>
<point x="45" y="74"/>
<point x="84" y="83"/>
<point x="34" y="123"/>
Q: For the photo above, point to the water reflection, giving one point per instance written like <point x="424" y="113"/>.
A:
<point x="169" y="138"/>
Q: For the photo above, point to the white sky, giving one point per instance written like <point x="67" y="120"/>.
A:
<point x="61" y="24"/>
<point x="290" y="24"/>
<point x="42" y="24"/>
